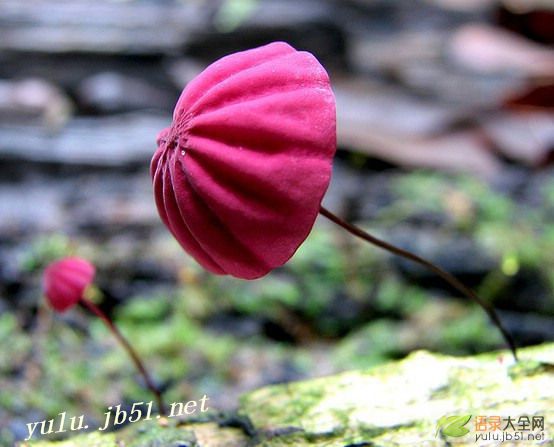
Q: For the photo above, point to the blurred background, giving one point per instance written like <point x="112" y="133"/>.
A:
<point x="446" y="140"/>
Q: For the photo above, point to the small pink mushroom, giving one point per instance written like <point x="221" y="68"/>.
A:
<point x="65" y="282"/>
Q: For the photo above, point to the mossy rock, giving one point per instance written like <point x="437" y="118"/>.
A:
<point x="398" y="404"/>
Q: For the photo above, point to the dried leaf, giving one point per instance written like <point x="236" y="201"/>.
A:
<point x="464" y="151"/>
<point x="539" y="95"/>
<point x="487" y="49"/>
<point x="374" y="106"/>
<point x="527" y="137"/>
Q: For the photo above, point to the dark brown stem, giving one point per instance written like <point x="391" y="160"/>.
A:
<point x="356" y="231"/>
<point x="130" y="350"/>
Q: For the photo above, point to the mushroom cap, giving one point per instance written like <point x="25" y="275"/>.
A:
<point x="240" y="174"/>
<point x="65" y="281"/>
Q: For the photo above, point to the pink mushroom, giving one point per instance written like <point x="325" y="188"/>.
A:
<point x="65" y="282"/>
<point x="240" y="174"/>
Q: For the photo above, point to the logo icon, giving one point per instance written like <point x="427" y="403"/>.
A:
<point x="453" y="426"/>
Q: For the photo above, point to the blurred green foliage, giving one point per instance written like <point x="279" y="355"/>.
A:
<point x="232" y="13"/>
<point x="519" y="236"/>
<point x="340" y="300"/>
<point x="44" y="250"/>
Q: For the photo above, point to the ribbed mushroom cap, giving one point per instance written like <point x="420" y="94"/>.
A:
<point x="65" y="281"/>
<point x="240" y="174"/>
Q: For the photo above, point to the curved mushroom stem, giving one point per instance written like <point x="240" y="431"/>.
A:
<point x="455" y="283"/>
<point x="130" y="350"/>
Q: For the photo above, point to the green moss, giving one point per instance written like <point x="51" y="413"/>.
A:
<point x="92" y="440"/>
<point x="13" y="354"/>
<point x="265" y="297"/>
<point x="145" y="309"/>
<point x="548" y="193"/>
<point x="390" y="405"/>
<point x="472" y="329"/>
<point x="526" y="368"/>
<point x="372" y="345"/>
<point x="519" y="236"/>
<point x="393" y="296"/>
<point x="46" y="249"/>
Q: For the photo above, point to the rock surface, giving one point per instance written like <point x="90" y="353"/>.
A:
<point x="392" y="405"/>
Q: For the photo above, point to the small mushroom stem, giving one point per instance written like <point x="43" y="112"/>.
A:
<point x="130" y="350"/>
<point x="450" y="279"/>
